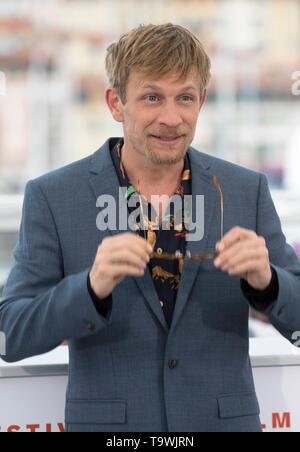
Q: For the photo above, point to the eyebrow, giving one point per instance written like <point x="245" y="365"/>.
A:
<point x="157" y="88"/>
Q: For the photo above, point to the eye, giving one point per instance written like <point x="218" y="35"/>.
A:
<point x="188" y="98"/>
<point x="152" y="98"/>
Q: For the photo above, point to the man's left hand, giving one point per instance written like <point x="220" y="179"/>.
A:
<point x="243" y="253"/>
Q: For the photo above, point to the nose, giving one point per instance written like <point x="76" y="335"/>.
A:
<point x="170" y="115"/>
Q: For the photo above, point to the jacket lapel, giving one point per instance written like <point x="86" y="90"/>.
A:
<point x="202" y="184"/>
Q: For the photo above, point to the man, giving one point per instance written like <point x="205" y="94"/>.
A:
<point x="157" y="324"/>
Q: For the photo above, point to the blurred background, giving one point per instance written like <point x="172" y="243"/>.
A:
<point x="52" y="81"/>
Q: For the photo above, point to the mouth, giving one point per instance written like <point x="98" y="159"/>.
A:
<point x="166" y="140"/>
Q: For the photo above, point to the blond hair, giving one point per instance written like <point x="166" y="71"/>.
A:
<point x="156" y="50"/>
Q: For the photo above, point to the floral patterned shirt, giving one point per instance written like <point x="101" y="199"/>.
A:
<point x="166" y="274"/>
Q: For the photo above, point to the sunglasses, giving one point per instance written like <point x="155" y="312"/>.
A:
<point x="159" y="254"/>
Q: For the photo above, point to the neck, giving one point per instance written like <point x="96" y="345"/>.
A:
<point x="156" y="179"/>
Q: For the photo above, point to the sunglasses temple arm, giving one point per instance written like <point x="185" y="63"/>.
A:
<point x="217" y="184"/>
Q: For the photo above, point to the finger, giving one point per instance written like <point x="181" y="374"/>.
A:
<point x="118" y="250"/>
<point x="234" y="235"/>
<point x="244" y="256"/>
<point x="135" y="239"/>
<point x="143" y="249"/>
<point x="128" y="257"/>
<point x="138" y="249"/>
<point x="121" y="271"/>
<point x="128" y="242"/>
<point x="247" y="267"/>
<point x="235" y="250"/>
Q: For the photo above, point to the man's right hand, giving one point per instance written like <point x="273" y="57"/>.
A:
<point x="117" y="257"/>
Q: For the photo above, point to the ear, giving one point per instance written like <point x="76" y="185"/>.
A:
<point x="203" y="99"/>
<point x="114" y="103"/>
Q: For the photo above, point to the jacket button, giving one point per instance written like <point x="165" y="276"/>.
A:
<point x="173" y="363"/>
<point x="90" y="327"/>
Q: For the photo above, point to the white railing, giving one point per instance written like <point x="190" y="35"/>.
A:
<point x="10" y="212"/>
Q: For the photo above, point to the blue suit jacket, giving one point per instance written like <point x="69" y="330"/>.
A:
<point x="120" y="378"/>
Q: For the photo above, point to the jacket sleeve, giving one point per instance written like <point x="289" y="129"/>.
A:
<point x="40" y="307"/>
<point x="284" y="313"/>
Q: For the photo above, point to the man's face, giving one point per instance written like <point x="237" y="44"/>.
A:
<point x="160" y="116"/>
